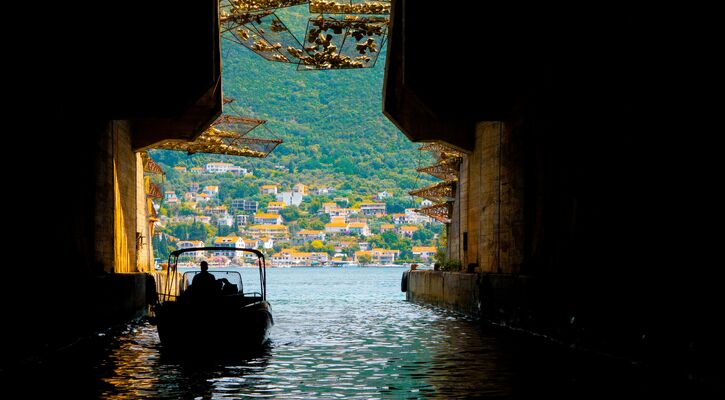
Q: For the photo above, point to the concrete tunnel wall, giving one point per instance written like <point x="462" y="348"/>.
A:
<point x="90" y="275"/>
<point x="566" y="235"/>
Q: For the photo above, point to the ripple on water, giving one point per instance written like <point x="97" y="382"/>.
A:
<point x="339" y="333"/>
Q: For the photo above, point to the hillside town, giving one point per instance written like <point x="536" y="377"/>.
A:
<point x="292" y="224"/>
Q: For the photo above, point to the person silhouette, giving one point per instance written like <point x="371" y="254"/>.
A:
<point x="204" y="282"/>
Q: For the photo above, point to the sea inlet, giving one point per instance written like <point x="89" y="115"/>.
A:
<point x="339" y="333"/>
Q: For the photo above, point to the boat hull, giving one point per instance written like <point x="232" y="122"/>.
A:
<point x="183" y="326"/>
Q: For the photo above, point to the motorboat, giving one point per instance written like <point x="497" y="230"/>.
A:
<point x="191" y="319"/>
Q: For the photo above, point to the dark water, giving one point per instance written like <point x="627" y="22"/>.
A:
<point x="339" y="333"/>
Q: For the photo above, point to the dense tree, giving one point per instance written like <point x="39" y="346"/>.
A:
<point x="364" y="259"/>
<point x="290" y="214"/>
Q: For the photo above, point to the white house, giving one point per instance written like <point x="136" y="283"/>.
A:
<point x="243" y="219"/>
<point x="268" y="189"/>
<point x="218" y="167"/>
<point x="292" y="257"/>
<point x="413" y="217"/>
<point x="267" y="242"/>
<point x="226" y="220"/>
<point x="384" y="256"/>
<point x="424" y="252"/>
<point x="228" y="241"/>
<point x="329" y="206"/>
<point x="378" y="256"/>
<point x="336" y="227"/>
<point x="222" y="167"/>
<point x="218" y="211"/>
<point x="359" y="228"/>
<point x="211" y="191"/>
<point x="186" y="244"/>
<point x="407" y="230"/>
<point x="290" y="198"/>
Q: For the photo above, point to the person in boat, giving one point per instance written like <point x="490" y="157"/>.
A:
<point x="204" y="283"/>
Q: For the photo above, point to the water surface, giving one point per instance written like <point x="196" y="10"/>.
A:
<point x="339" y="333"/>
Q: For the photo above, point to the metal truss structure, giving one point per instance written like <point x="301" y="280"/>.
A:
<point x="440" y="212"/>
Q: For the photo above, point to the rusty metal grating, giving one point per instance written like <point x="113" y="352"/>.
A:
<point x="440" y="212"/>
<point x="350" y="7"/>
<point x="447" y="169"/>
<point x="217" y="141"/>
<point x="334" y="43"/>
<point x="263" y="33"/>
<point x="438" y="192"/>
<point x="149" y="165"/>
<point x="240" y="125"/>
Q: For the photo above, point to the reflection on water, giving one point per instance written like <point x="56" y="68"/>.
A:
<point x="339" y="333"/>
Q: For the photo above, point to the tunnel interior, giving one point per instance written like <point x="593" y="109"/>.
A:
<point x="613" y="156"/>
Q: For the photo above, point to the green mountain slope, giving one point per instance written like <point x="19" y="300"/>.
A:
<point x="331" y="122"/>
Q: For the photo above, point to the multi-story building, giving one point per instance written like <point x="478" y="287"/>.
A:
<point x="384" y="256"/>
<point x="300" y="188"/>
<point x="228" y="241"/>
<point x="387" y="227"/>
<point x="243" y="219"/>
<point x="222" y="167"/>
<point x="372" y="208"/>
<point x="358" y="228"/>
<point x="218" y="211"/>
<point x="288" y="257"/>
<point x="290" y="198"/>
<point x="275" y="206"/>
<point x="267" y="218"/>
<point x="308" y="235"/>
<point x="187" y="244"/>
<point x="245" y="205"/>
<point x="336" y="227"/>
<point x="274" y="231"/>
<point x="407" y="230"/>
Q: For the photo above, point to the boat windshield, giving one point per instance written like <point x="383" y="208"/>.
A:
<point x="234" y="277"/>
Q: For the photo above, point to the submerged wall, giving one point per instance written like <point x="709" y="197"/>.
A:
<point x="453" y="290"/>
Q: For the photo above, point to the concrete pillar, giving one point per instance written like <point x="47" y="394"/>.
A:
<point x="124" y="194"/>
<point x="487" y="221"/>
<point x="144" y="250"/>
<point x="104" y="205"/>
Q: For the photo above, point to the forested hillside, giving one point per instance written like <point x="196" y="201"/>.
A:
<point x="331" y="122"/>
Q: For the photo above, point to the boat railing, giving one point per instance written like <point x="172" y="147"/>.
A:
<point x="173" y="285"/>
